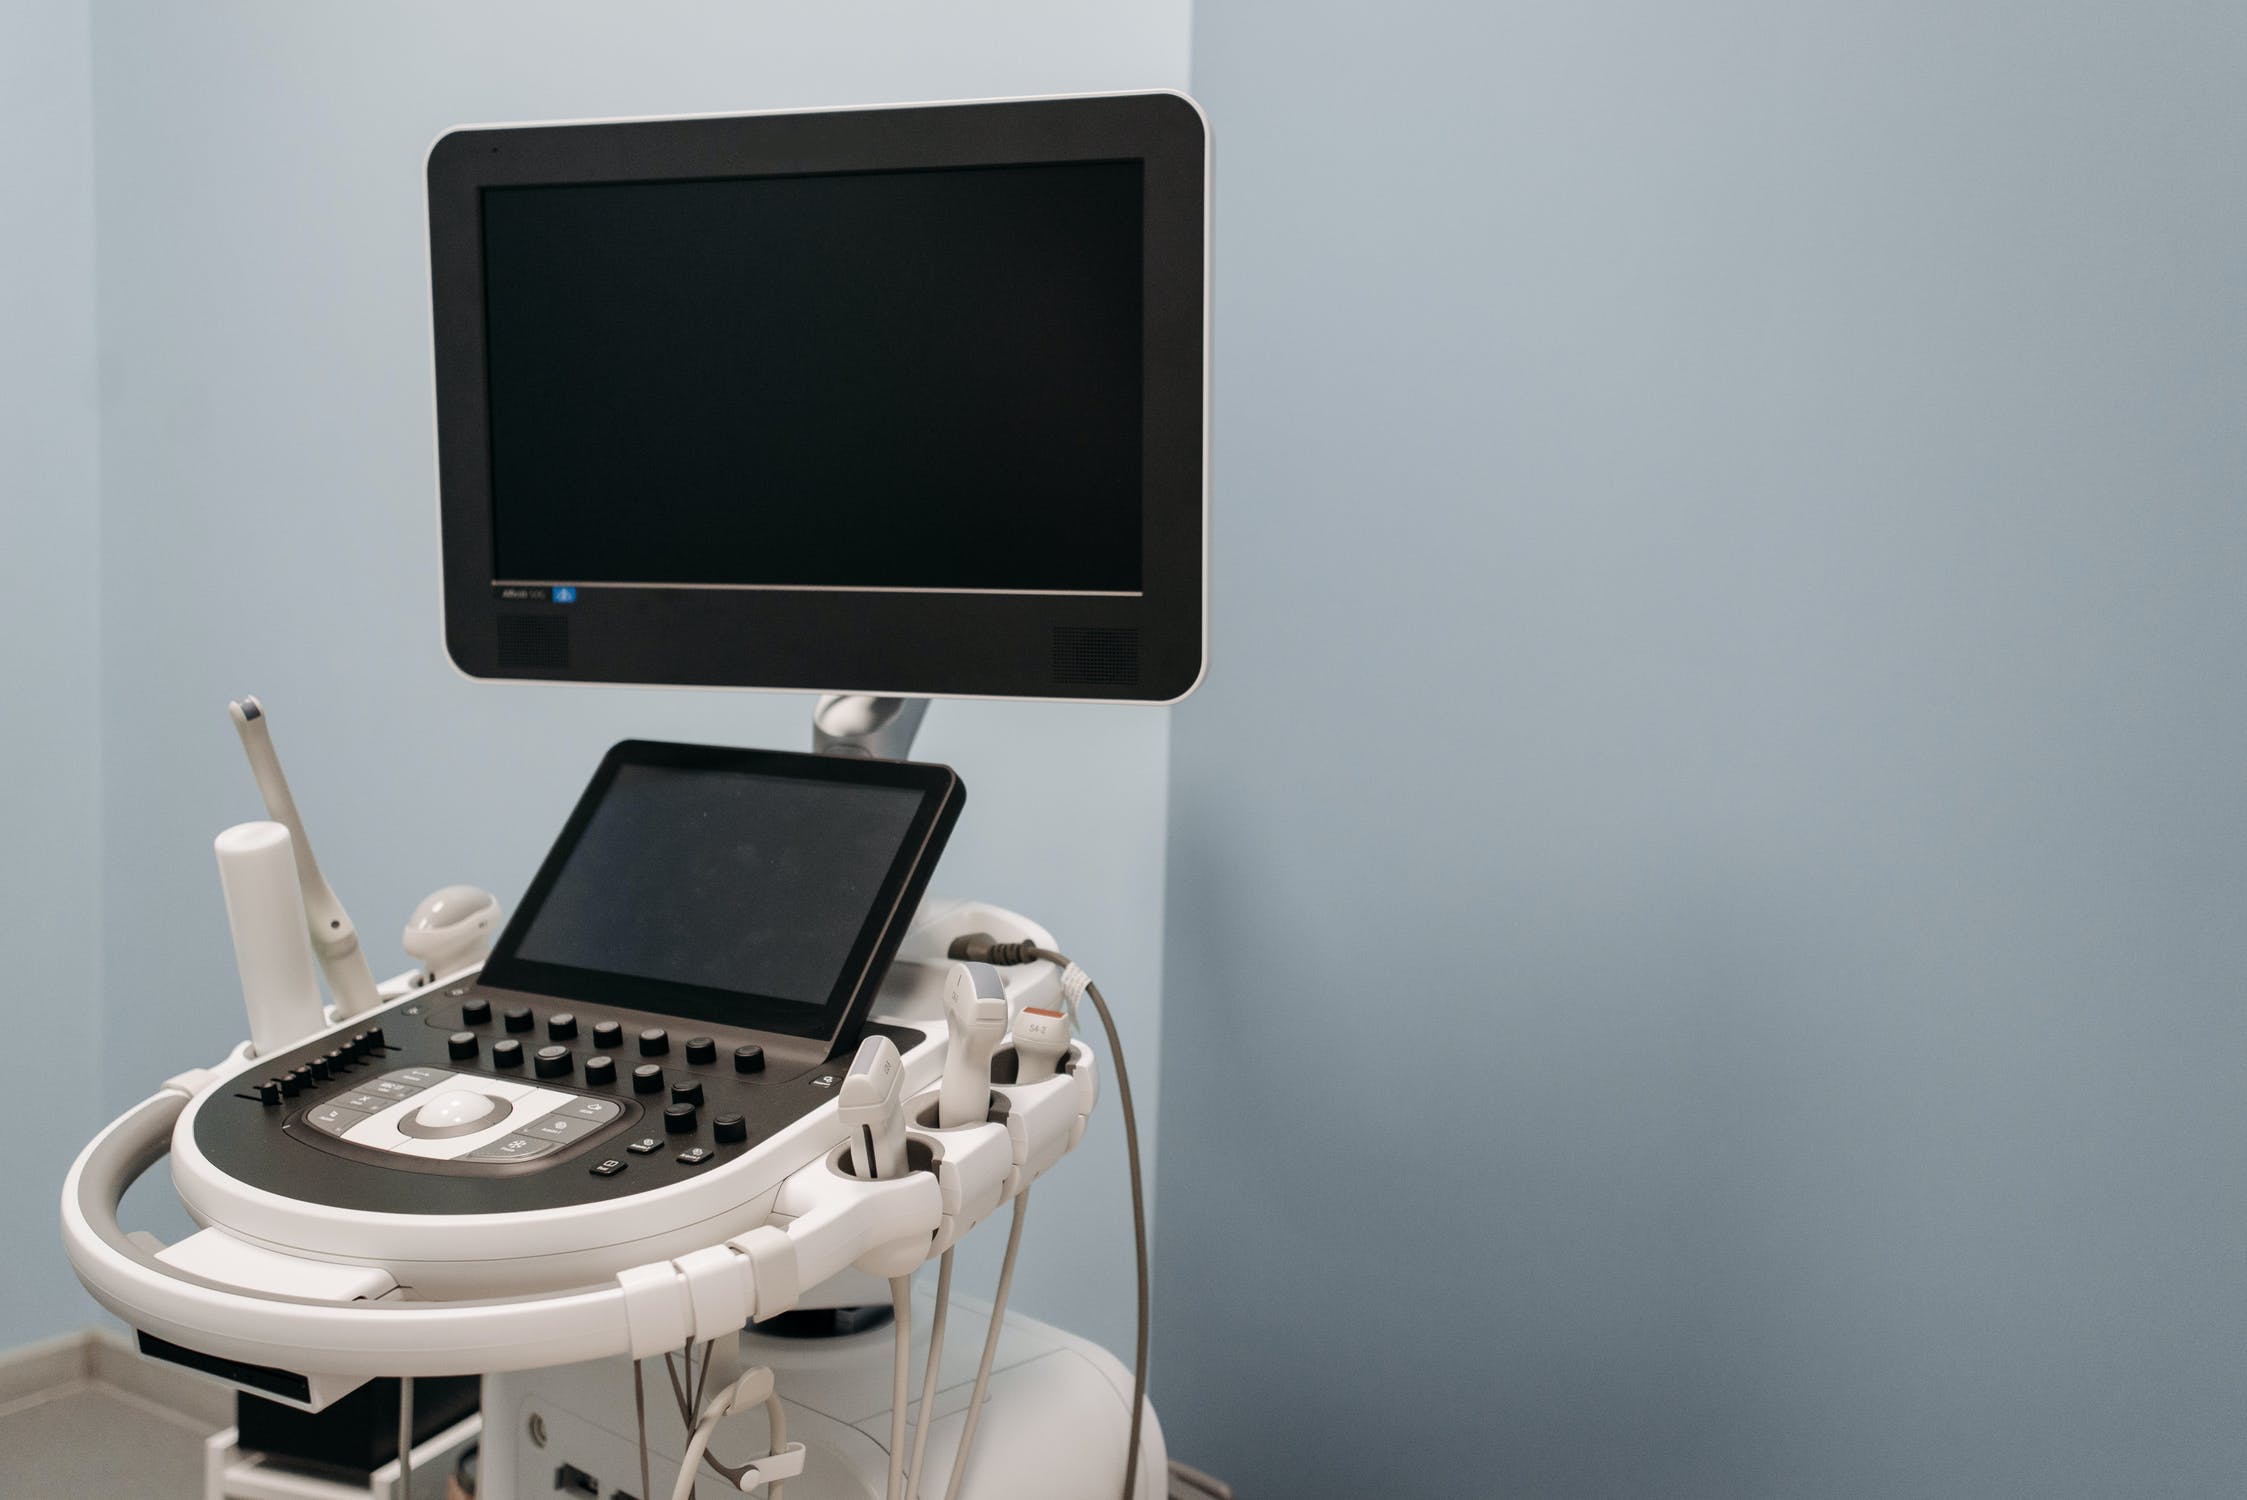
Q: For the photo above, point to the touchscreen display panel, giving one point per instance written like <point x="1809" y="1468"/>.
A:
<point x="920" y="380"/>
<point x="723" y="879"/>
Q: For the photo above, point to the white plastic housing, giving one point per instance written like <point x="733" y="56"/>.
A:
<point x="265" y="912"/>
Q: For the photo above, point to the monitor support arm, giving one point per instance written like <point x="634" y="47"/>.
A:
<point x="866" y="727"/>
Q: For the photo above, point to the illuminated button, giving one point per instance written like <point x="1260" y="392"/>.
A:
<point x="701" y="1050"/>
<point x="678" y="1119"/>
<point x="647" y="1078"/>
<point x="507" y="1053"/>
<point x="461" y="1044"/>
<point x="516" y="1017"/>
<point x="553" y="1062"/>
<point x="600" y="1070"/>
<point x="654" y="1042"/>
<point x="687" y="1091"/>
<point x="476" y="1012"/>
<point x="749" y="1059"/>
<point x="332" y="1118"/>
<point x="607" y="1034"/>
<point x="729" y="1129"/>
<point x="513" y="1148"/>
<point x="561" y="1026"/>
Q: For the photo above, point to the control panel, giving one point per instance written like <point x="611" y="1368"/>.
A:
<point x="464" y="1099"/>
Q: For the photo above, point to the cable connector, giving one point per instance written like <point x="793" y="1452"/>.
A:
<point x="982" y="948"/>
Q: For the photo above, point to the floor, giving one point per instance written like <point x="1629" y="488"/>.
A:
<point x="78" y="1421"/>
<point x="92" y="1443"/>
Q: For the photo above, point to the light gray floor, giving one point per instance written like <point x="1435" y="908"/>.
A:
<point x="88" y="1442"/>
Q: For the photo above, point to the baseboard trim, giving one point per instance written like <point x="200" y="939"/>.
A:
<point x="96" y="1356"/>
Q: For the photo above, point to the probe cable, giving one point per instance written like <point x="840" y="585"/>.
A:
<point x="405" y="1437"/>
<point x="990" y="1347"/>
<point x="929" y="1374"/>
<point x="982" y="947"/>
<point x="901" y="1298"/>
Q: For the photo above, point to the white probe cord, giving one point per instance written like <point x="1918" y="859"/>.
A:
<point x="901" y="1298"/>
<point x="990" y="1347"/>
<point x="405" y="1437"/>
<point x="929" y="1374"/>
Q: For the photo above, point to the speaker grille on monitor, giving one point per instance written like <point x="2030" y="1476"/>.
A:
<point x="1095" y="654"/>
<point x="534" y="643"/>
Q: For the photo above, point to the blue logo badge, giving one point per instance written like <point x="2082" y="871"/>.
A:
<point x="565" y="596"/>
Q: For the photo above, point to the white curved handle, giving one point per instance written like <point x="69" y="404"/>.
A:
<point x="353" y="1338"/>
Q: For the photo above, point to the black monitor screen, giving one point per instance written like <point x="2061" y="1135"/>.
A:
<point x="895" y="380"/>
<point x="723" y="879"/>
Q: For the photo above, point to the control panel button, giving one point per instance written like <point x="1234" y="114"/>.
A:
<point x="749" y="1058"/>
<point x="645" y="1144"/>
<point x="476" y="1012"/>
<point x="507" y="1053"/>
<point x="516" y="1017"/>
<point x="561" y="1127"/>
<point x="269" y="1092"/>
<point x="607" y="1034"/>
<point x="600" y="1070"/>
<point x="678" y="1119"/>
<point x="461" y="1044"/>
<point x="599" y="1111"/>
<point x="291" y="1086"/>
<point x="695" y="1156"/>
<point x="647" y="1078"/>
<point x="701" y="1050"/>
<point x="513" y="1148"/>
<point x="301" y="1077"/>
<point x="392" y="1089"/>
<point x="654" y="1042"/>
<point x="366" y="1102"/>
<point x="729" y="1130"/>
<point x="687" y="1091"/>
<point x="608" y="1166"/>
<point x="319" y="1067"/>
<point x="375" y="1038"/>
<point x="561" y="1026"/>
<point x="332" y="1118"/>
<point x="553" y="1062"/>
<point x="415" y="1078"/>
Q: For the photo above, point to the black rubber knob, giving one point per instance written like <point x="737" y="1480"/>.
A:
<point x="319" y="1067"/>
<point x="301" y="1078"/>
<point x="375" y="1038"/>
<point x="337" y="1062"/>
<point x="561" y="1026"/>
<point x="356" y="1048"/>
<point x="729" y="1129"/>
<point x="701" y="1050"/>
<point x="291" y="1085"/>
<point x="517" y="1017"/>
<point x="461" y="1044"/>
<point x="678" y="1119"/>
<point x="647" y="1078"/>
<point x="476" y="1012"/>
<point x="749" y="1059"/>
<point x="654" y="1042"/>
<point x="687" y="1091"/>
<point x="269" y="1092"/>
<point x="607" y="1034"/>
<point x="507" y="1053"/>
<point x="600" y="1070"/>
<point x="553" y="1062"/>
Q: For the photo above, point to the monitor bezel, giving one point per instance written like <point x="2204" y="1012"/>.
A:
<point x="891" y="642"/>
<point x="837" y="1020"/>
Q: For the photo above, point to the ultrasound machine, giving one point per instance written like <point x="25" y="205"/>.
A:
<point x="621" y="1195"/>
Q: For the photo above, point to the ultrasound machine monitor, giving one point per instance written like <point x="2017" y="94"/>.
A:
<point x="907" y="402"/>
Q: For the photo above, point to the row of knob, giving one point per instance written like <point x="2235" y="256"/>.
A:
<point x="321" y="1069"/>
<point x="654" y="1040"/>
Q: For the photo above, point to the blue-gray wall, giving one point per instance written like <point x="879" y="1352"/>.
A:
<point x="1708" y="882"/>
<point x="270" y="505"/>
<point x="50" y="723"/>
